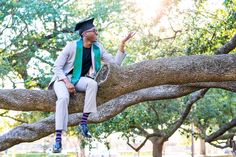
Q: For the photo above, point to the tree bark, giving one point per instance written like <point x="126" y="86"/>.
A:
<point x="234" y="148"/>
<point x="32" y="132"/>
<point x="202" y="147"/>
<point x="118" y="89"/>
<point x="221" y="131"/>
<point x="115" y="81"/>
<point x="157" y="146"/>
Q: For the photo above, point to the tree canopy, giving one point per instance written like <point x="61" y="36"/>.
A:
<point x="169" y="58"/>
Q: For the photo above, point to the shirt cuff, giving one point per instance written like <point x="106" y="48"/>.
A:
<point x="61" y="77"/>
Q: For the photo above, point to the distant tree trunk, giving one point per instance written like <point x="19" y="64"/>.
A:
<point x="234" y="148"/>
<point x="81" y="152"/>
<point x="202" y="141"/>
<point x="157" y="146"/>
<point x="202" y="147"/>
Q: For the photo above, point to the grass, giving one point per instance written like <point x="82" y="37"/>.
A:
<point x="34" y="154"/>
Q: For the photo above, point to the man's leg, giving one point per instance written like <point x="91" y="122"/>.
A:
<point x="90" y="87"/>
<point x="61" y="117"/>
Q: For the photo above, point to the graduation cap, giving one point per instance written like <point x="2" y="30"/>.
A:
<point x="84" y="25"/>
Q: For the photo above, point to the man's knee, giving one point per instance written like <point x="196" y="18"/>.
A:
<point x="92" y="84"/>
<point x="63" y="101"/>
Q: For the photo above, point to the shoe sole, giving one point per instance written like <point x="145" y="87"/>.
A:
<point x="57" y="151"/>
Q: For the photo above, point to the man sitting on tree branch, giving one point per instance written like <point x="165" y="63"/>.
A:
<point x="75" y="70"/>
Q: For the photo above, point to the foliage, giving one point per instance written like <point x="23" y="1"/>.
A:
<point x="200" y="32"/>
<point x="214" y="111"/>
<point x="34" y="32"/>
<point x="154" y="116"/>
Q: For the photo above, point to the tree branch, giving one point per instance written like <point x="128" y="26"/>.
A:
<point x="195" y="97"/>
<point x="179" y="70"/>
<point x="111" y="101"/>
<point x="143" y="131"/>
<point x="221" y="131"/>
<point x="229" y="85"/>
<point x="32" y="132"/>
<point x="219" y="146"/>
<point x="229" y="46"/>
<point x="226" y="136"/>
<point x="139" y="147"/>
<point x="2" y="114"/>
<point x="44" y="61"/>
<point x="143" y="143"/>
<point x="13" y="118"/>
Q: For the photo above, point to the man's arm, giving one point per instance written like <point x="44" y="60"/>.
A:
<point x="122" y="44"/>
<point x="69" y="86"/>
<point x="58" y="68"/>
<point x="120" y="55"/>
<point x="60" y="63"/>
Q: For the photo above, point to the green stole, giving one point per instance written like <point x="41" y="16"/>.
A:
<point x="79" y="58"/>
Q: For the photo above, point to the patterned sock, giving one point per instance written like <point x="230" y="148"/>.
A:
<point x="84" y="118"/>
<point x="58" y="135"/>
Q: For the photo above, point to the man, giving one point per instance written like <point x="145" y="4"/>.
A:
<point x="75" y="70"/>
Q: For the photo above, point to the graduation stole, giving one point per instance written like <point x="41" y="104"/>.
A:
<point x="79" y="58"/>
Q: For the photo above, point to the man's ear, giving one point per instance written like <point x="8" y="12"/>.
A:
<point x="85" y="34"/>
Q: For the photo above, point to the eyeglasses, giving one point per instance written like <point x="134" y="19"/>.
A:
<point x="92" y="30"/>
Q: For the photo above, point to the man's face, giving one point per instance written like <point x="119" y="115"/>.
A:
<point x="91" y="34"/>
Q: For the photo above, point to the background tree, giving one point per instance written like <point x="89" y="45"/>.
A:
<point x="205" y="40"/>
<point x="41" y="44"/>
<point x="212" y="115"/>
<point x="156" y="121"/>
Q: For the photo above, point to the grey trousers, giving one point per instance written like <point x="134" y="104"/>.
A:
<point x="85" y="84"/>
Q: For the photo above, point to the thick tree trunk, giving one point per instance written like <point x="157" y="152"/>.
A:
<point x="157" y="146"/>
<point x="115" y="81"/>
<point x="32" y="132"/>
